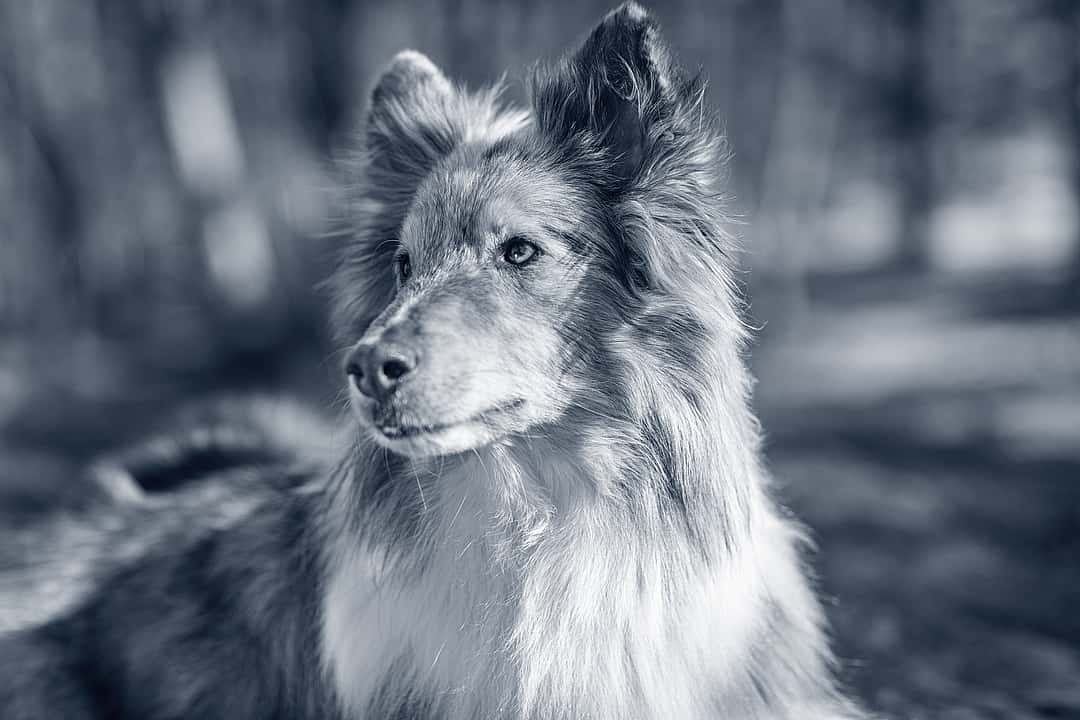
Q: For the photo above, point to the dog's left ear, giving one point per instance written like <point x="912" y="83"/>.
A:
<point x="613" y="93"/>
<point x="410" y="124"/>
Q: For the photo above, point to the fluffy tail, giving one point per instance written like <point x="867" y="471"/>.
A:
<point x="209" y="439"/>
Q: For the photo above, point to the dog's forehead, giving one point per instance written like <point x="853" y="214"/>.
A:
<point x="477" y="196"/>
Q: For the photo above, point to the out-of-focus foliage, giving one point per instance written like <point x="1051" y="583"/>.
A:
<point x="165" y="175"/>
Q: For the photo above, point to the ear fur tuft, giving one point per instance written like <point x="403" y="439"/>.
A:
<point x="407" y="123"/>
<point x="404" y="73"/>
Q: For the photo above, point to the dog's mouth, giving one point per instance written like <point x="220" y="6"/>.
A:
<point x="418" y="439"/>
<point x="398" y="430"/>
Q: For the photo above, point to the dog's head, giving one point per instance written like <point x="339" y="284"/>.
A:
<point x="505" y="258"/>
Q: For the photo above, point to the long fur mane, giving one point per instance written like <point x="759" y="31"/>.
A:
<point x="628" y="561"/>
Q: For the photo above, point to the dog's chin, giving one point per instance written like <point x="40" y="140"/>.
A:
<point x="439" y="437"/>
<point x="444" y="440"/>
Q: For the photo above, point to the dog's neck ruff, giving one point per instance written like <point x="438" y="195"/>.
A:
<point x="531" y="584"/>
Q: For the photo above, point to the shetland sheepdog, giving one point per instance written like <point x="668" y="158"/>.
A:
<point x="548" y="500"/>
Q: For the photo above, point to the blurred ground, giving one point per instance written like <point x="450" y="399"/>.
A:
<point x="930" y="436"/>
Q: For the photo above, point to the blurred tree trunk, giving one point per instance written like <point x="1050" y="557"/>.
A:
<point x="324" y="100"/>
<point x="913" y="129"/>
<point x="800" y="154"/>
<point x="1069" y="14"/>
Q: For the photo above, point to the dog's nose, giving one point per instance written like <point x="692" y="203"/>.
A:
<point x="378" y="369"/>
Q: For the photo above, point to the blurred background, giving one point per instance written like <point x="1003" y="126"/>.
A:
<point x="906" y="180"/>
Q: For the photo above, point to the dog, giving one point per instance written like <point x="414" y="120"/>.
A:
<point x="548" y="498"/>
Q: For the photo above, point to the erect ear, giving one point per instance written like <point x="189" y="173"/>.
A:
<point x="613" y="93"/>
<point x="409" y="123"/>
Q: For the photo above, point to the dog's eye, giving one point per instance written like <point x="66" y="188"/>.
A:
<point x="404" y="266"/>
<point x="519" y="251"/>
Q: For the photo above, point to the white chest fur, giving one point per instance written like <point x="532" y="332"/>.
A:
<point x="594" y="621"/>
<point x="430" y="625"/>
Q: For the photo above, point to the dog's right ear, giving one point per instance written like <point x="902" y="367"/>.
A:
<point x="409" y="122"/>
